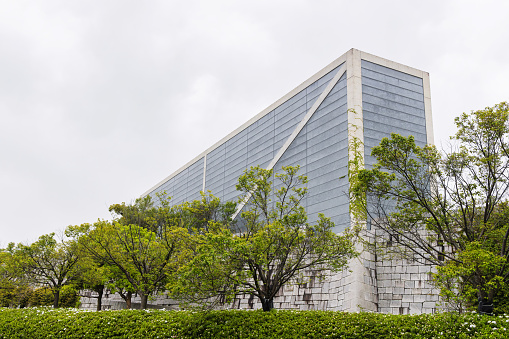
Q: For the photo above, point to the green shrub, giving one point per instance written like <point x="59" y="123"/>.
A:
<point x="44" y="297"/>
<point x="14" y="296"/>
<point x="41" y="297"/>
<point x="73" y="323"/>
<point x="6" y="297"/>
<point x="69" y="296"/>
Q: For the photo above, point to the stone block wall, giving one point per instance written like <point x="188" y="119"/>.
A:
<point x="372" y="284"/>
<point x="404" y="286"/>
<point x="113" y="301"/>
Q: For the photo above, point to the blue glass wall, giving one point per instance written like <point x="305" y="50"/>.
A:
<point x="392" y="102"/>
<point x="321" y="149"/>
<point x="257" y="144"/>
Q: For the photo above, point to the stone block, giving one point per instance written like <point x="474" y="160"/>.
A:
<point x="416" y="291"/>
<point x="316" y="290"/>
<point x="395" y="303"/>
<point x="427" y="310"/>
<point x="415" y="276"/>
<point x="408" y="298"/>
<point x="419" y="298"/>
<point x="424" y="268"/>
<point x="429" y="304"/>
<point x="409" y="284"/>
<point x="398" y="283"/>
<point x="415" y="308"/>
<point x="431" y="297"/>
<point x="412" y="269"/>
<point x="398" y="290"/>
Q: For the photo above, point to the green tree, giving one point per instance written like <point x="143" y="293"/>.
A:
<point x="47" y="262"/>
<point x="448" y="208"/>
<point x="14" y="289"/>
<point x="197" y="215"/>
<point x="94" y="275"/>
<point x="270" y="247"/>
<point x="141" y="247"/>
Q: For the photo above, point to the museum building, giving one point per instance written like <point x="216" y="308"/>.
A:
<point x="358" y="95"/>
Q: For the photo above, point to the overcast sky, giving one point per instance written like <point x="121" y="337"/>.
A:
<point x="100" y="100"/>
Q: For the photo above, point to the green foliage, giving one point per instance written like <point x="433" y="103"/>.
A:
<point x="23" y="296"/>
<point x="139" y="249"/>
<point x="14" y="296"/>
<point x="44" y="296"/>
<point x="198" y="214"/>
<point x="45" y="262"/>
<point x="271" y="245"/>
<point x="449" y="208"/>
<point x="41" y="297"/>
<point x="68" y="323"/>
<point x="355" y="165"/>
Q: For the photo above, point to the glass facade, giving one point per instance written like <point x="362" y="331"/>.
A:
<point x="392" y="102"/>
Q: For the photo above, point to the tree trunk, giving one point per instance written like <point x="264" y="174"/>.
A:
<point x="129" y="295"/>
<point x="144" y="300"/>
<point x="100" y="291"/>
<point x="56" y="297"/>
<point x="127" y="298"/>
<point x="485" y="300"/>
<point x="267" y="304"/>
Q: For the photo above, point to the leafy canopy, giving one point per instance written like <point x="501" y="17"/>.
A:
<point x="270" y="245"/>
<point x="447" y="207"/>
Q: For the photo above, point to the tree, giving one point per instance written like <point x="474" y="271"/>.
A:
<point x="14" y="289"/>
<point x="447" y="208"/>
<point x="270" y="246"/>
<point x="47" y="262"/>
<point x="94" y="275"/>
<point x="198" y="214"/>
<point x="142" y="246"/>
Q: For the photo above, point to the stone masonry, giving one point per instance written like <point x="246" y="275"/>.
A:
<point x="396" y="286"/>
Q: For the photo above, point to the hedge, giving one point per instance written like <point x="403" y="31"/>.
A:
<point x="73" y="323"/>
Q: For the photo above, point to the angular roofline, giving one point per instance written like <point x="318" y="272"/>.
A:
<point x="342" y="59"/>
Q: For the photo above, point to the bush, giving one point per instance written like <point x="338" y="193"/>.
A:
<point x="69" y="296"/>
<point x="14" y="296"/>
<point x="41" y="297"/>
<point x="44" y="297"/>
<point x="73" y="323"/>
